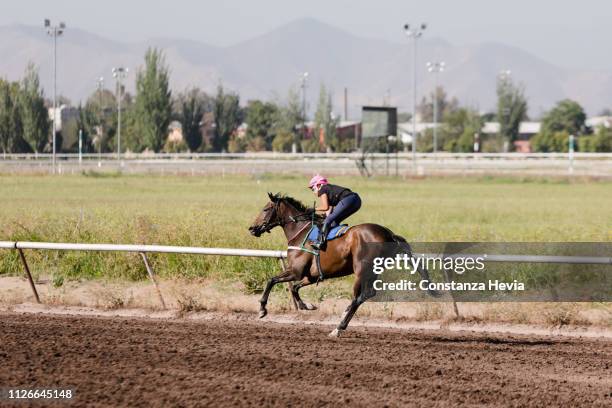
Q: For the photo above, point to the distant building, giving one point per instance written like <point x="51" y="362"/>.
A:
<point x="175" y="132"/>
<point x="345" y="129"/>
<point x="526" y="131"/>
<point x="406" y="129"/>
<point x="599" y="121"/>
<point x="241" y="131"/>
<point x="65" y="114"/>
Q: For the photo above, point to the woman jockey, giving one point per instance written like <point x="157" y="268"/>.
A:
<point x="337" y="202"/>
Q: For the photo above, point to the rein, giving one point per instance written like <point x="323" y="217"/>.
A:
<point x="297" y="233"/>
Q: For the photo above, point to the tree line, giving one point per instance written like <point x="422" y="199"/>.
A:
<point x="211" y="123"/>
<point x="460" y="125"/>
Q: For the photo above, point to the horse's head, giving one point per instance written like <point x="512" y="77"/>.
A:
<point x="269" y="217"/>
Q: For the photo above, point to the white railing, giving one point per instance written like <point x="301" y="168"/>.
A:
<point x="147" y="248"/>
<point x="280" y="255"/>
<point x="141" y="249"/>
<point x="295" y="156"/>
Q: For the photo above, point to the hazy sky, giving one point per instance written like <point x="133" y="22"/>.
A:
<point x="567" y="33"/>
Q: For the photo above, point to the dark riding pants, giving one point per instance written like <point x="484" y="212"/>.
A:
<point x="346" y="207"/>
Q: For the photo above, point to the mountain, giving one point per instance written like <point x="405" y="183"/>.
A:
<point x="268" y="65"/>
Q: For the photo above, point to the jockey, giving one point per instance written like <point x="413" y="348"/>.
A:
<point x="337" y="202"/>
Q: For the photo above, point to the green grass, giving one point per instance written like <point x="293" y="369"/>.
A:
<point x="216" y="212"/>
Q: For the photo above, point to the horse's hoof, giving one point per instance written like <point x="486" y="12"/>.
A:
<point x="310" y="306"/>
<point x="262" y="313"/>
<point x="335" y="333"/>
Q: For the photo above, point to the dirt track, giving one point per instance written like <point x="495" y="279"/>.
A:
<point x="138" y="362"/>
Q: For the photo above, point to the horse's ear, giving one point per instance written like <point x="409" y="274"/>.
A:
<point x="272" y="197"/>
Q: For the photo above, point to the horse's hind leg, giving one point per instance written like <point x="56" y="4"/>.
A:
<point x="358" y="298"/>
<point x="296" y="295"/>
<point x="286" y="276"/>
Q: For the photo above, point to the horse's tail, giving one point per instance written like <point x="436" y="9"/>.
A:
<point x="405" y="247"/>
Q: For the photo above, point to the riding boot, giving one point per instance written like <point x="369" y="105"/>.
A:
<point x="321" y="241"/>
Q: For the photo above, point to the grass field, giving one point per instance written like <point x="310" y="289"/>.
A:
<point x="216" y="212"/>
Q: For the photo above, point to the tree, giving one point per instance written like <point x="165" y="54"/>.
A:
<point x="325" y="123"/>
<point x="601" y="141"/>
<point x="459" y="128"/>
<point x="11" y="128"/>
<point x="549" y="141"/>
<point x="227" y="117"/>
<point x="511" y="108"/>
<point x="445" y="106"/>
<point x="566" y="116"/>
<point x="34" y="114"/>
<point x="262" y="119"/>
<point x="152" y="107"/>
<point x="283" y="141"/>
<point x="102" y="103"/>
<point x="190" y="108"/>
<point x="5" y="117"/>
<point x="291" y="118"/>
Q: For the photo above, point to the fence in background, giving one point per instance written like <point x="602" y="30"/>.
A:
<point x="587" y="164"/>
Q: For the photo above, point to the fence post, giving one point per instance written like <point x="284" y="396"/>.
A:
<point x="150" y="272"/>
<point x="28" y="274"/>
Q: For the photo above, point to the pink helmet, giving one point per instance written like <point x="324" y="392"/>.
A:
<point x="316" y="180"/>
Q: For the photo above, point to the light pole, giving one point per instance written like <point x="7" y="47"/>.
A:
<point x="415" y="33"/>
<point x="435" y="68"/>
<point x="304" y="79"/>
<point x="504" y="78"/>
<point x="119" y="73"/>
<point x="100" y="83"/>
<point x="54" y="31"/>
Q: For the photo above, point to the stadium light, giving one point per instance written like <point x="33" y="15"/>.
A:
<point x="414" y="33"/>
<point x="119" y="73"/>
<point x="100" y="85"/>
<point x="54" y="31"/>
<point x="304" y="79"/>
<point x="435" y="67"/>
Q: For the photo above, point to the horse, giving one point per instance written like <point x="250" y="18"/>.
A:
<point x="343" y="256"/>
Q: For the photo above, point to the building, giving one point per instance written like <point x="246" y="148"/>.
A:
<point x="599" y="121"/>
<point x="526" y="131"/>
<point x="175" y="132"/>
<point x="66" y="113"/>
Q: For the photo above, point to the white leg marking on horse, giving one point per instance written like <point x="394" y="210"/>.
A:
<point x="335" y="333"/>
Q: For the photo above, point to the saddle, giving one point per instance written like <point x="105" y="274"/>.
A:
<point x="333" y="233"/>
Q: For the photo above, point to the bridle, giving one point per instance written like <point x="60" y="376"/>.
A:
<point x="280" y="222"/>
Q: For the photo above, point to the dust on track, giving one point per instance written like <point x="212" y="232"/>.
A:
<point x="112" y="361"/>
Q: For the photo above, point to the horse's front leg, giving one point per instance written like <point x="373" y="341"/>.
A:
<point x="286" y="276"/>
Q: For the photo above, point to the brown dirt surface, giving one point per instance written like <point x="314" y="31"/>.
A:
<point x="112" y="361"/>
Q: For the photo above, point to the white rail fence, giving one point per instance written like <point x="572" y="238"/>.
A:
<point x="296" y="156"/>
<point x="258" y="253"/>
<point x="141" y="249"/>
<point x="585" y="164"/>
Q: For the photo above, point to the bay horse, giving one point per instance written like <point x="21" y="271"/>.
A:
<point x="343" y="256"/>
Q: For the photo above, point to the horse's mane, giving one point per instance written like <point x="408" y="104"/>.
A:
<point x="297" y="204"/>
